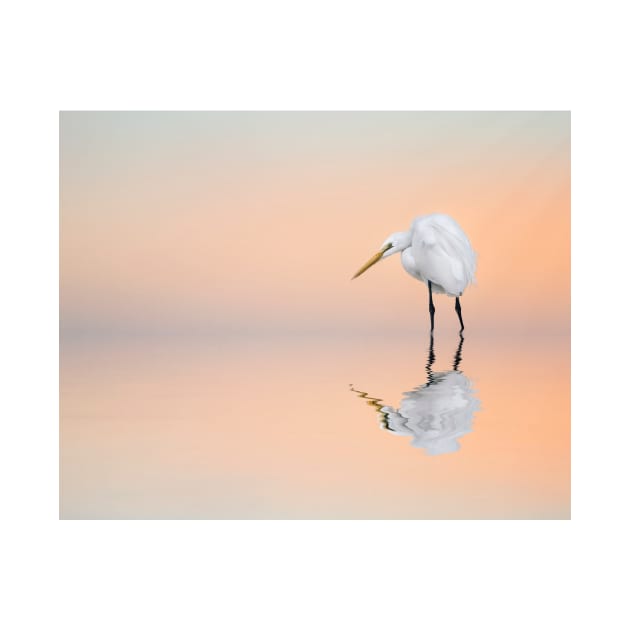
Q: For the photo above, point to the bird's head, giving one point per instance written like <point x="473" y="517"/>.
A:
<point x="394" y="243"/>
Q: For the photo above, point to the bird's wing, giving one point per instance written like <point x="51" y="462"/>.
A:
<point x="444" y="254"/>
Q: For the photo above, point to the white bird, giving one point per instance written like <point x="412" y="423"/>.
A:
<point x="436" y="251"/>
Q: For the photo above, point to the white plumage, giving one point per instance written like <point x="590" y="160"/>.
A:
<point x="436" y="251"/>
<point x="440" y="252"/>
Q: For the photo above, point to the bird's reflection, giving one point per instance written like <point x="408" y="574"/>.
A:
<point x="435" y="414"/>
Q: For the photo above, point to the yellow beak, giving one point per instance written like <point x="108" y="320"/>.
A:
<point x="372" y="260"/>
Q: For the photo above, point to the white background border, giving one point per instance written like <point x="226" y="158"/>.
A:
<point x="325" y="55"/>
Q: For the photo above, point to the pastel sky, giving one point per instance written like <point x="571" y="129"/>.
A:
<point x="256" y="221"/>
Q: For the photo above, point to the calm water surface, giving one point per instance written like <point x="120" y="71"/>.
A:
<point x="316" y="426"/>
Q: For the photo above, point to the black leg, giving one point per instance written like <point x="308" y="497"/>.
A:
<point x="458" y="308"/>
<point x="431" y="307"/>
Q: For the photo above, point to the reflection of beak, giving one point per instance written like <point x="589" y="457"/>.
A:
<point x="372" y="260"/>
<point x="374" y="402"/>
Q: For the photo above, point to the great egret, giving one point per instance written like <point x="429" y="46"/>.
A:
<point x="435" y="414"/>
<point x="436" y="251"/>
